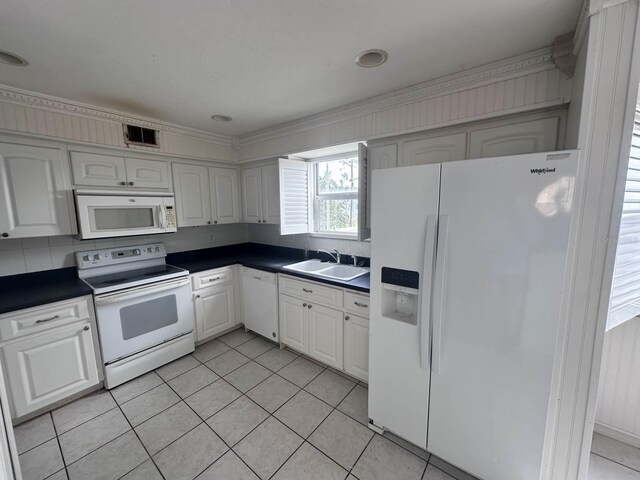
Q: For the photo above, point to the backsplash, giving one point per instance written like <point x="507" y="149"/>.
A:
<point x="270" y="235"/>
<point x="46" y="253"/>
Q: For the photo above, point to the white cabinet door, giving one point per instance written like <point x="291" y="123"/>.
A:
<point x="147" y="173"/>
<point x="380" y="156"/>
<point x="527" y="137"/>
<point x="42" y="369"/>
<point x="326" y="335"/>
<point x="293" y="323"/>
<point x="252" y="195"/>
<point x="356" y="346"/>
<point x="271" y="194"/>
<point x="435" y="150"/>
<point x="33" y="196"/>
<point x="191" y="187"/>
<point x="97" y="170"/>
<point x="223" y="186"/>
<point x="215" y="311"/>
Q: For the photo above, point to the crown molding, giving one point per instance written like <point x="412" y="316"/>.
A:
<point x="528" y="63"/>
<point x="56" y="104"/>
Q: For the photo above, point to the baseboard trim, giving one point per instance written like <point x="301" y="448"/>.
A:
<point x="617" y="434"/>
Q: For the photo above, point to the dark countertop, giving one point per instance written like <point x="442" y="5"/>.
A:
<point x="39" y="288"/>
<point x="262" y="257"/>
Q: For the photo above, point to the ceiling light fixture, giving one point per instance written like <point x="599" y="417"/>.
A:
<point x="371" y="58"/>
<point x="221" y="118"/>
<point x="12" y="59"/>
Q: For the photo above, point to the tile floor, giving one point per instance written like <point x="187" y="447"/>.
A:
<point x="237" y="408"/>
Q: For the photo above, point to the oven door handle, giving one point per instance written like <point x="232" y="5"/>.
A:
<point x="109" y="298"/>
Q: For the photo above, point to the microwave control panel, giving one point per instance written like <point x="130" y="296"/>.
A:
<point x="171" y="216"/>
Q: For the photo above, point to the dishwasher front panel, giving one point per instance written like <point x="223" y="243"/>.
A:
<point x="260" y="302"/>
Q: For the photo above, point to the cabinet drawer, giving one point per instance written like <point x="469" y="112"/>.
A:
<point x="311" y="291"/>
<point x="209" y="278"/>
<point x="356" y="303"/>
<point x="37" y="319"/>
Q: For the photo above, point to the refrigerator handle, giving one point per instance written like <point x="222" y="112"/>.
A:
<point x="438" y="293"/>
<point x="427" y="282"/>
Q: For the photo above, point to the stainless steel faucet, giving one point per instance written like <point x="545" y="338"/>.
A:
<point x="336" y="257"/>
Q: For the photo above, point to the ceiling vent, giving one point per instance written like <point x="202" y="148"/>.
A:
<point x="134" y="135"/>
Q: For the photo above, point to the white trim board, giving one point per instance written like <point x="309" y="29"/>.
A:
<point x="524" y="83"/>
<point x="617" y="434"/>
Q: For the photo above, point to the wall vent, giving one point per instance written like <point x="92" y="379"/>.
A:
<point x="134" y="135"/>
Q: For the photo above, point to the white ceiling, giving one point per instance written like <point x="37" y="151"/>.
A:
<point x="263" y="62"/>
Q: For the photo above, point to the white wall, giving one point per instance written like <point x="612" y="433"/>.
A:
<point x="618" y="411"/>
<point x="270" y="235"/>
<point x="46" y="253"/>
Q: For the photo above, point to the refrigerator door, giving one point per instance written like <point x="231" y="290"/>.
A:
<point x="502" y="253"/>
<point x="404" y="216"/>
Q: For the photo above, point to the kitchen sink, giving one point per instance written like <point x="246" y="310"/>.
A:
<point x="328" y="270"/>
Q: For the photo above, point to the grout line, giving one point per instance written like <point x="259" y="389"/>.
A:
<point x="55" y="430"/>
<point x="140" y="440"/>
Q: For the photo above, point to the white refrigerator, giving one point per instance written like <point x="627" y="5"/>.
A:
<point x="469" y="262"/>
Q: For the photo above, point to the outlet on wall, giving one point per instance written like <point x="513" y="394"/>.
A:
<point x="212" y="238"/>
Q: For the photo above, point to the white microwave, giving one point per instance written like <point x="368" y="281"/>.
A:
<point x="106" y="214"/>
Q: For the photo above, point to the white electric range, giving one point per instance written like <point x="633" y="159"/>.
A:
<point x="143" y="308"/>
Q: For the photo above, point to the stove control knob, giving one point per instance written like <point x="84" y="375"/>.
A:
<point x="136" y="251"/>
<point x="157" y="249"/>
<point x="96" y="257"/>
<point x="85" y="258"/>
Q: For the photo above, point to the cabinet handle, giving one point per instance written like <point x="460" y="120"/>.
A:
<point x="363" y="305"/>
<point x="346" y="317"/>
<point x="123" y="183"/>
<point x="215" y="222"/>
<point x="86" y="328"/>
<point x="309" y="306"/>
<point x="131" y="184"/>
<point x="257" y="278"/>
<point x="55" y="317"/>
<point x="264" y="221"/>
<point x="208" y="222"/>
<point x="197" y="296"/>
<point x="307" y="290"/>
<point x="214" y="279"/>
<point x="304" y="305"/>
<point x="259" y="221"/>
<point x="5" y="235"/>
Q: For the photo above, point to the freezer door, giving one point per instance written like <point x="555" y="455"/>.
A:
<point x="404" y="215"/>
<point x="502" y="253"/>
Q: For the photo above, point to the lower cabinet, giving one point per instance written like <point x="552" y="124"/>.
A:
<point x="43" y="369"/>
<point x="325" y="335"/>
<point x="293" y="323"/>
<point x="215" y="311"/>
<point x="49" y="353"/>
<point x="356" y="346"/>
<point x="329" y="333"/>
<point x="215" y="300"/>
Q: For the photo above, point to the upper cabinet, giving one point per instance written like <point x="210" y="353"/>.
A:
<point x="435" y="150"/>
<point x="261" y="194"/>
<point x="35" y="199"/>
<point x="205" y="195"/>
<point x="225" y="202"/>
<point x="97" y="170"/>
<point x="518" y="138"/>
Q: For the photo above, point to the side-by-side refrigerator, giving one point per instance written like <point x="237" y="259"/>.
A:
<point x="470" y="260"/>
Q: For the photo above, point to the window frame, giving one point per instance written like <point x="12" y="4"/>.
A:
<point x="317" y="197"/>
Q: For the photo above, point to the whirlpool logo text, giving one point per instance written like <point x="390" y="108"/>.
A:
<point x="541" y="171"/>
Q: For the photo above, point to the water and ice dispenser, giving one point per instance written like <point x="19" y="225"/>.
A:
<point x="400" y="289"/>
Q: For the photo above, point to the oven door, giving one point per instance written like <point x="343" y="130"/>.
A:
<point x="104" y="216"/>
<point x="139" y="318"/>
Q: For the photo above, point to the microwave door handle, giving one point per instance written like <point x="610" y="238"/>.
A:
<point x="162" y="216"/>
<point x="109" y="298"/>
